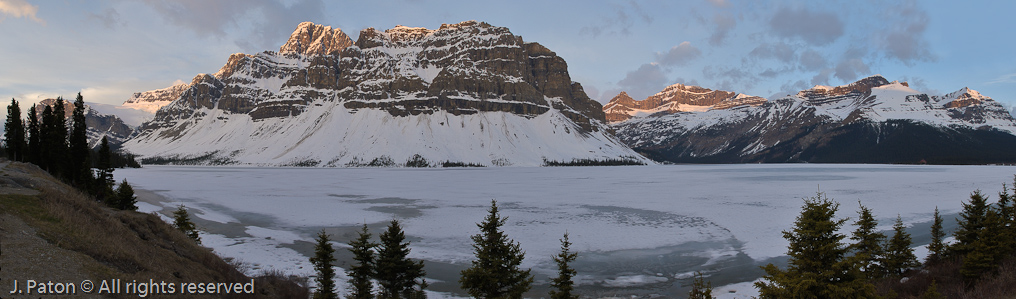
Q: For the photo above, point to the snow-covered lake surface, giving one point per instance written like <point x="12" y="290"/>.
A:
<point x="639" y="230"/>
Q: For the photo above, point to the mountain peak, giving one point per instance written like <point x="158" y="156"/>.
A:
<point x="315" y="39"/>
<point x="860" y="86"/>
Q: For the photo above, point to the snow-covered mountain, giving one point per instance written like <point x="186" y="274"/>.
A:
<point x="871" y="120"/>
<point x="465" y="93"/>
<point x="99" y="124"/>
<point x="150" y="101"/>
<point x="676" y="98"/>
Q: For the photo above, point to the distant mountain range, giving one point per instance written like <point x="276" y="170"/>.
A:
<point x="475" y="94"/>
<point x="868" y="121"/>
<point x="99" y="125"/>
<point x="467" y="93"/>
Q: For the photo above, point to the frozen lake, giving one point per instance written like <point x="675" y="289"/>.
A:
<point x="639" y="230"/>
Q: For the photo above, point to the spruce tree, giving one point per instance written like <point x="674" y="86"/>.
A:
<point x="182" y="222"/>
<point x="868" y="240"/>
<point x="360" y="286"/>
<point x="59" y="140"/>
<point x="932" y="292"/>
<point x="46" y="136"/>
<point x="34" y="148"/>
<point x="701" y="289"/>
<point x="14" y="133"/>
<point x="79" y="168"/>
<point x="562" y="285"/>
<point x="817" y="267"/>
<point x="1007" y="213"/>
<point x="971" y="222"/>
<point x="125" y="199"/>
<point x="398" y="276"/>
<point x="495" y="272"/>
<point x="323" y="261"/>
<point x="986" y="252"/>
<point x="899" y="257"/>
<point x="936" y="249"/>
<point x="103" y="184"/>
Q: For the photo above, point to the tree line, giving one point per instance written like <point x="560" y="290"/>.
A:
<point x="494" y="273"/>
<point x="821" y="265"/>
<point x="44" y="139"/>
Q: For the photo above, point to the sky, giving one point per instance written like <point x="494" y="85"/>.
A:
<point x="108" y="50"/>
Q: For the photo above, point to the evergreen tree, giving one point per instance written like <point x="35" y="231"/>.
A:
<point x="985" y="253"/>
<point x="700" y="289"/>
<point x="899" y="256"/>
<point x="1007" y="212"/>
<point x="323" y="264"/>
<point x="125" y="199"/>
<point x="46" y="139"/>
<point x="14" y="133"/>
<point x="58" y="142"/>
<point x="932" y="292"/>
<point x="78" y="166"/>
<point x="970" y="223"/>
<point x="868" y="250"/>
<point x="34" y="148"/>
<point x="495" y="272"/>
<point x="936" y="248"/>
<point x="181" y="220"/>
<point x="398" y="276"/>
<point x="562" y="286"/>
<point x="817" y="267"/>
<point x="360" y="286"/>
<point x="103" y="184"/>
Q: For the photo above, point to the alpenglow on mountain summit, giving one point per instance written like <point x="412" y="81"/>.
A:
<point x="464" y="93"/>
<point x="868" y="121"/>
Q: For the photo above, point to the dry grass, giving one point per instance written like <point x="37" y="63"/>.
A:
<point x="949" y="282"/>
<point x="131" y="245"/>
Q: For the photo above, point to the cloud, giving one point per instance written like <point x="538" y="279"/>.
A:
<point x="109" y="18"/>
<point x="812" y="60"/>
<point x="822" y="78"/>
<point x="620" y="22"/>
<point x="919" y="84"/>
<point x="269" y="21"/>
<point x="849" y="70"/>
<point x="1007" y="78"/>
<point x="779" y="51"/>
<point x="647" y="79"/>
<point x="720" y="3"/>
<point x="684" y="81"/>
<point x="816" y="28"/>
<point x="724" y="22"/>
<point x="789" y="88"/>
<point x="679" y="55"/>
<point x="20" y="9"/>
<point x="904" y="40"/>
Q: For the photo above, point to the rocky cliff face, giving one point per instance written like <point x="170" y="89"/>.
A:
<point x="472" y="71"/>
<point x="869" y="121"/>
<point x="676" y="98"/>
<point x="99" y="125"/>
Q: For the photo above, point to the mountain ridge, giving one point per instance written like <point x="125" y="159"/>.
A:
<point x="820" y="125"/>
<point x="467" y="92"/>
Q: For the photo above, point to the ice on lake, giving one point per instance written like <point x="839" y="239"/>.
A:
<point x="640" y="229"/>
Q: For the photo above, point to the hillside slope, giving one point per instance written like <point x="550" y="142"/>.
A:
<point x="51" y="232"/>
